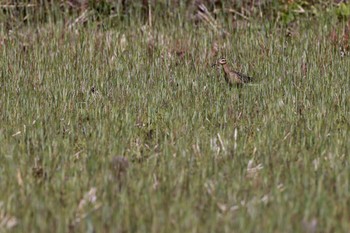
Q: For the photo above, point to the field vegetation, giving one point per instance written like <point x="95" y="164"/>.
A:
<point x="113" y="118"/>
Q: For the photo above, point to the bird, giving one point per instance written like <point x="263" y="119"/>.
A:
<point x="233" y="77"/>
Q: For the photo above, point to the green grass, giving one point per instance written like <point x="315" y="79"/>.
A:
<point x="187" y="135"/>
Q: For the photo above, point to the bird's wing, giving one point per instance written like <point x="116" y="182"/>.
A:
<point x="244" y="78"/>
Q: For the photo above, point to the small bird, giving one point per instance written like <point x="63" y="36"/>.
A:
<point x="233" y="77"/>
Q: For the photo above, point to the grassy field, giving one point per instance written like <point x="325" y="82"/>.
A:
<point x="202" y="157"/>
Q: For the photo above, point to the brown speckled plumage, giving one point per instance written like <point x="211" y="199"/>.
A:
<point x="233" y="77"/>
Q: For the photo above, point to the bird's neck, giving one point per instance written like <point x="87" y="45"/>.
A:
<point x="226" y="69"/>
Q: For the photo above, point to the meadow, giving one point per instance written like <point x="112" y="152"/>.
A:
<point x="129" y="128"/>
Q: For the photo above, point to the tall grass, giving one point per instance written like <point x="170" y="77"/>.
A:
<point x="203" y="157"/>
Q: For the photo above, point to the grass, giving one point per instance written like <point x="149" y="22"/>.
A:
<point x="203" y="157"/>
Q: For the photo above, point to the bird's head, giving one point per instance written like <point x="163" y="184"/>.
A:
<point x="222" y="61"/>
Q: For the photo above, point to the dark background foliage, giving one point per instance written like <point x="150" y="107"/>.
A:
<point x="283" y="11"/>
